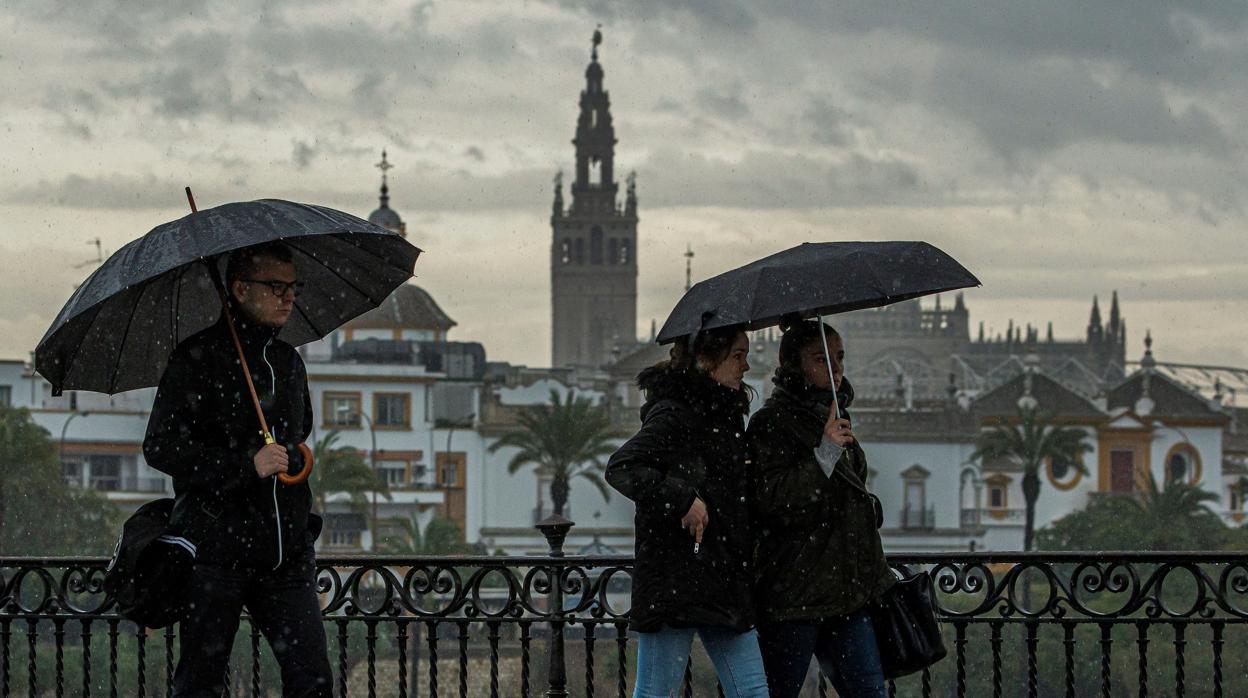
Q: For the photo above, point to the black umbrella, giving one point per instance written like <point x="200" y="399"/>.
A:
<point x="120" y="326"/>
<point x="815" y="279"/>
<point x="812" y="280"/>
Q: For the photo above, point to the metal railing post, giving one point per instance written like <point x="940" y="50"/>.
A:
<point x="556" y="528"/>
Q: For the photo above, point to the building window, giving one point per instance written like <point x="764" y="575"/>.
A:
<point x="391" y="409"/>
<point x="1064" y="473"/>
<point x="71" y="471"/>
<point x="341" y="410"/>
<point x="451" y="469"/>
<point x="565" y="251"/>
<point x="344" y="539"/>
<point x="998" y="487"/>
<point x="578" y="249"/>
<point x="625" y="252"/>
<point x="393" y="473"/>
<point x="105" y="473"/>
<point x="613" y="251"/>
<point x="595" y="245"/>
<point x="1183" y="464"/>
<point x="6" y="395"/>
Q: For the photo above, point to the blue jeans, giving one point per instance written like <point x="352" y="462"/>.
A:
<point x="844" y="645"/>
<point x="662" y="656"/>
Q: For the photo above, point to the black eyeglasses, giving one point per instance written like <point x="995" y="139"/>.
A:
<point x="279" y="288"/>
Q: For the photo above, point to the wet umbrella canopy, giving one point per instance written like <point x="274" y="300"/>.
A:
<point x="813" y="279"/>
<point x="118" y="329"/>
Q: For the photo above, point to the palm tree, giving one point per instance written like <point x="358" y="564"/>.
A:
<point x="440" y="537"/>
<point x="343" y="469"/>
<point x="1028" y="441"/>
<point x="565" y="439"/>
<point x="1168" y="517"/>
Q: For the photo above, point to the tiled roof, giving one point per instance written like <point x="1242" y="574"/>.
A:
<point x="1051" y="397"/>
<point x="410" y="307"/>
<point x="1170" y="399"/>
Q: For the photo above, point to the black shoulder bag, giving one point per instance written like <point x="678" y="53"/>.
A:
<point x="904" y="618"/>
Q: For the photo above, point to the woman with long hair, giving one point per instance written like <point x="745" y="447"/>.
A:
<point x="820" y="561"/>
<point x="686" y="472"/>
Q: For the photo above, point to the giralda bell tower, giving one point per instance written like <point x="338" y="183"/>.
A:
<point x="593" y="252"/>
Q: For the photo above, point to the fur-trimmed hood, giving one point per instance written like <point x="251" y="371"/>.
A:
<point x="692" y="387"/>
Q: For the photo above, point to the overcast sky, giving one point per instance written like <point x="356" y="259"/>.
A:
<point x="1058" y="149"/>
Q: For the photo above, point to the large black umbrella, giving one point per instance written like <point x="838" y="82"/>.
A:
<point x="815" y="279"/>
<point x="120" y="326"/>
<point x="812" y="280"/>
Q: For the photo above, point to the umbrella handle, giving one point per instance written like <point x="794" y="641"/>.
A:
<point x="303" y="474"/>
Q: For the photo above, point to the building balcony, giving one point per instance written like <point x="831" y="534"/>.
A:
<point x="918" y="519"/>
<point x="1040" y="624"/>
<point x="993" y="517"/>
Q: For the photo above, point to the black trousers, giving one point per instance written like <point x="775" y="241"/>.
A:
<point x="284" y="606"/>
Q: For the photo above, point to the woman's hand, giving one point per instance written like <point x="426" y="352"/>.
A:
<point x="695" y="521"/>
<point x="838" y="432"/>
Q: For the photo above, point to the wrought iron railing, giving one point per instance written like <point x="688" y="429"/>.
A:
<point x="1035" y="624"/>
<point x="918" y="518"/>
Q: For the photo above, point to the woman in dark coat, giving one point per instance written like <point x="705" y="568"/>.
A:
<point x="685" y="470"/>
<point x="820" y="560"/>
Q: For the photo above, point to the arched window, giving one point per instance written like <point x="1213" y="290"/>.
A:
<point x="626" y="252"/>
<point x="1183" y="464"/>
<point x="613" y="251"/>
<point x="595" y="245"/>
<point x="565" y="251"/>
<point x="1063" y="473"/>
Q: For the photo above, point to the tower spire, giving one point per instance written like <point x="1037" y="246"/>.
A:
<point x="688" y="267"/>
<point x="1096" y="331"/>
<point x="385" y="188"/>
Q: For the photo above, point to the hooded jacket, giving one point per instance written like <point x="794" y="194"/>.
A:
<point x="203" y="432"/>
<point x="691" y="444"/>
<point x="819" y="550"/>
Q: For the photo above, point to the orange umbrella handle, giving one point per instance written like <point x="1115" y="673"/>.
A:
<point x="303" y="474"/>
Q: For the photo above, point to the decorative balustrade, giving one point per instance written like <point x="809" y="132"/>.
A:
<point x="1035" y="624"/>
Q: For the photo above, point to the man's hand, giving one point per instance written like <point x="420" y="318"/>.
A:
<point x="695" y="521"/>
<point x="271" y="459"/>
<point x="838" y="431"/>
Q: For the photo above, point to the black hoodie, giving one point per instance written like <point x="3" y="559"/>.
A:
<point x="203" y="432"/>
<point x="691" y="444"/>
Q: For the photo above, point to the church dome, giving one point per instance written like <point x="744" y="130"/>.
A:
<point x="386" y="218"/>
<point x="409" y="307"/>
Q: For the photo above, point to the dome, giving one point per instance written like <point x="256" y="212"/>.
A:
<point x="409" y="307"/>
<point x="386" y="218"/>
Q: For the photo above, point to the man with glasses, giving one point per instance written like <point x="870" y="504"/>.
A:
<point x="252" y="535"/>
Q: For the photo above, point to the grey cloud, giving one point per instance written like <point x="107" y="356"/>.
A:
<point x="829" y="124"/>
<point x="779" y="180"/>
<point x="302" y="154"/>
<point x="1046" y="105"/>
<point x="727" y="15"/>
<point x="724" y="101"/>
<point x="474" y="153"/>
<point x="109" y="192"/>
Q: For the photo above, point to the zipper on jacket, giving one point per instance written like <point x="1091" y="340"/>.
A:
<point x="277" y="510"/>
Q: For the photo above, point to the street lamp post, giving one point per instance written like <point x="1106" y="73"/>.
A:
<point x="61" y="452"/>
<point x="372" y="463"/>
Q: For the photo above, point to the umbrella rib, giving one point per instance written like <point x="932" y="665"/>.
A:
<point x="308" y="320"/>
<point x="329" y="268"/>
<point x="112" y="380"/>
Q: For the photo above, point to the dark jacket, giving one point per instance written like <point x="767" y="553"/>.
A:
<point x="819" y="551"/>
<point x="691" y="443"/>
<point x="203" y="431"/>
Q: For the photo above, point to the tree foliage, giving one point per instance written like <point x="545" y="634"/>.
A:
<point x="39" y="513"/>
<point x="1028" y="441"/>
<point x="1154" y="519"/>
<point x="440" y="536"/>
<point x="342" y="469"/>
<point x="565" y="439"/>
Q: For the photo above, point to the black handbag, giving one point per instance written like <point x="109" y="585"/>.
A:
<point x="906" y="627"/>
<point x="149" y="574"/>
